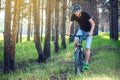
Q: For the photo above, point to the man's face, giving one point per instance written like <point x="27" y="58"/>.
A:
<point x="77" y="12"/>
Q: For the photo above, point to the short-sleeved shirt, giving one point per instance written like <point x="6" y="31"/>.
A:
<point x="83" y="21"/>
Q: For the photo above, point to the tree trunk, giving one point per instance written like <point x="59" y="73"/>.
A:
<point x="52" y="26"/>
<point x="38" y="11"/>
<point x="32" y="29"/>
<point x="36" y="31"/>
<point x="56" y="26"/>
<point x="17" y="38"/>
<point x="53" y="20"/>
<point x="7" y="33"/>
<point x="32" y="24"/>
<point x="48" y="30"/>
<point x="71" y="39"/>
<point x="114" y="19"/>
<point x="72" y="32"/>
<point x="21" y="26"/>
<point x="42" y="21"/>
<point x="64" y="24"/>
<point x="94" y="13"/>
<point x="14" y="33"/>
<point x="29" y="21"/>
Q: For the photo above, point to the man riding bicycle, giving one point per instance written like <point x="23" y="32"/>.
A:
<point x="86" y="27"/>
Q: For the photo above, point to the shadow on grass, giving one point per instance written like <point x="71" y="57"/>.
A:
<point x="23" y="66"/>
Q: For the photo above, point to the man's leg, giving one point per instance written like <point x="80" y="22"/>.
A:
<point x="76" y="43"/>
<point x="79" y="32"/>
<point x="87" y="55"/>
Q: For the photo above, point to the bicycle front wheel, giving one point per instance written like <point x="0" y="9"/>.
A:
<point x="77" y="61"/>
<point x="81" y="60"/>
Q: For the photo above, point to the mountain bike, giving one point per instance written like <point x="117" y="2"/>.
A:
<point x="79" y="55"/>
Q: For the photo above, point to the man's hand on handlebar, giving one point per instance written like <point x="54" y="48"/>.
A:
<point x="91" y="33"/>
<point x="68" y="33"/>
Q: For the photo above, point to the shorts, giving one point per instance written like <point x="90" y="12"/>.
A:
<point x="88" y="39"/>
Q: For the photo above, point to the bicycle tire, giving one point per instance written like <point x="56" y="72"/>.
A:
<point x="79" y="61"/>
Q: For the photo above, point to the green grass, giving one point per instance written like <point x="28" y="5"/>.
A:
<point x="104" y="62"/>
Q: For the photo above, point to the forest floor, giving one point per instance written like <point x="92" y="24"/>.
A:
<point x="104" y="62"/>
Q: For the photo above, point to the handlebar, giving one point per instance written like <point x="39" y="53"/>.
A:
<point x="80" y="36"/>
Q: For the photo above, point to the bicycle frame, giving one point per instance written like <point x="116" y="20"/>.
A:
<point x="79" y="54"/>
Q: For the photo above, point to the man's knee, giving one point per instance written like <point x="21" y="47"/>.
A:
<point x="88" y="50"/>
<point x="76" y="43"/>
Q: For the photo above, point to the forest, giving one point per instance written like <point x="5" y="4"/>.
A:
<point x="33" y="44"/>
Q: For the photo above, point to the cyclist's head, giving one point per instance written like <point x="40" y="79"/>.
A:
<point x="76" y="9"/>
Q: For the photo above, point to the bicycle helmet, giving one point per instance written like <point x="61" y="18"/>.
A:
<point x="76" y="7"/>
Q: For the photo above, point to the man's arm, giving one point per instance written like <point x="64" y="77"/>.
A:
<point x="92" y="26"/>
<point x="69" y="27"/>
